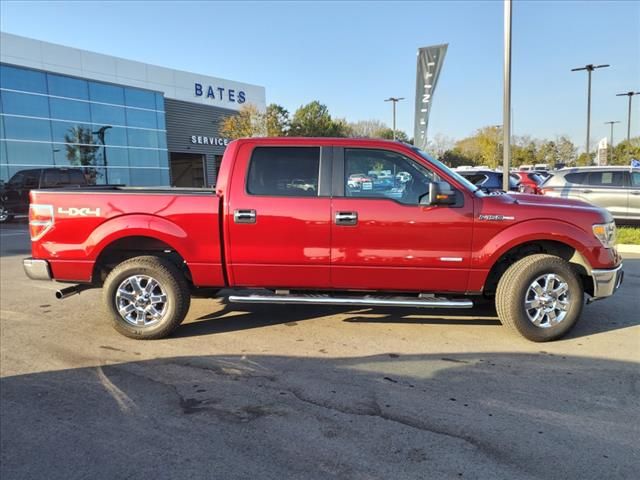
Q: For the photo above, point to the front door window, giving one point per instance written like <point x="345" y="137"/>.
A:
<point x="384" y="174"/>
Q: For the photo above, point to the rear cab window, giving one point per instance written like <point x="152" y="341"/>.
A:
<point x="61" y="178"/>
<point x="284" y="171"/>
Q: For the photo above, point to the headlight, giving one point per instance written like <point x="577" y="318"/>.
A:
<point x="606" y="233"/>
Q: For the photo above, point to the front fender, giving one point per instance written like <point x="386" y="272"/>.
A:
<point x="485" y="256"/>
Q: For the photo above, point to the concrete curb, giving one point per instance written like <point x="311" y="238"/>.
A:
<point x="625" y="248"/>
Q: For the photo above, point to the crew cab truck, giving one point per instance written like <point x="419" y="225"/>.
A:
<point x="426" y="238"/>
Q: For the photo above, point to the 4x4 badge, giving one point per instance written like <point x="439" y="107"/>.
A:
<point x="79" y="212"/>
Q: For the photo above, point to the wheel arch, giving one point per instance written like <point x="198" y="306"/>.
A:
<point x="123" y="248"/>
<point x="557" y="248"/>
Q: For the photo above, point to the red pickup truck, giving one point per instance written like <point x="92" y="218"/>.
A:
<point x="285" y="220"/>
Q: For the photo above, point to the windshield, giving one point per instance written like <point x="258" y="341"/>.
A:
<point x="449" y="172"/>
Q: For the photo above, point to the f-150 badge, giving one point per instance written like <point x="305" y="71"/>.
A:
<point x="498" y="218"/>
<point x="79" y="212"/>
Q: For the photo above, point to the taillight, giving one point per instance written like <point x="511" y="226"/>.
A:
<point x="40" y="220"/>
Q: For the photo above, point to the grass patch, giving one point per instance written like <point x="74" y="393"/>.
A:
<point x="629" y="235"/>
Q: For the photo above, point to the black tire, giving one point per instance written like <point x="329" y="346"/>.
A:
<point x="514" y="289"/>
<point x="171" y="282"/>
<point x="5" y="216"/>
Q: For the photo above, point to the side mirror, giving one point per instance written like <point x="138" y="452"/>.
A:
<point x="440" y="193"/>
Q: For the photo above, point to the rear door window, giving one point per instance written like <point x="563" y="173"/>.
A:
<point x="284" y="171"/>
<point x="606" y="179"/>
<point x="635" y="179"/>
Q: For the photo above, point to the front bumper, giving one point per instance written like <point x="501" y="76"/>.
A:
<point x="606" y="282"/>
<point x="36" y="269"/>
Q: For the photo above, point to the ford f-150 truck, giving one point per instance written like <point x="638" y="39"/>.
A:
<point x="286" y="225"/>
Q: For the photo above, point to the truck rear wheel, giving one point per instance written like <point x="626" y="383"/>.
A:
<point x="540" y="297"/>
<point x="147" y="297"/>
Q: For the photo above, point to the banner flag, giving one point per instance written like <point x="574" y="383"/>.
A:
<point x="430" y="60"/>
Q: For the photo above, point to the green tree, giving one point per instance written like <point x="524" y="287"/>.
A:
<point x="387" y="134"/>
<point x="483" y="147"/>
<point x="567" y="151"/>
<point x="314" y="120"/>
<point x="625" y="151"/>
<point x="454" y="158"/>
<point x="81" y="150"/>
<point x="548" y="153"/>
<point x="277" y="120"/>
<point x="585" y="159"/>
<point x="523" y="151"/>
<point x="248" y="122"/>
<point x="489" y="139"/>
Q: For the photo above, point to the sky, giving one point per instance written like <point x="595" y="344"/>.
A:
<point x="352" y="55"/>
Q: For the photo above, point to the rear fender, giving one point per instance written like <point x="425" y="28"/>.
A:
<point x="151" y="226"/>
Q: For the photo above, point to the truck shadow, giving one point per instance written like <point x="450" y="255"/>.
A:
<point x="236" y="317"/>
<point x="618" y="312"/>
<point x="447" y="415"/>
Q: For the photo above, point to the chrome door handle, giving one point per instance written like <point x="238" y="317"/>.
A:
<point x="244" y="216"/>
<point x="637" y="192"/>
<point x="346" y="218"/>
<point x="586" y="190"/>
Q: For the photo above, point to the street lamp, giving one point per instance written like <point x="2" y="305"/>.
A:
<point x="628" y="94"/>
<point x="100" y="134"/>
<point x="589" y="68"/>
<point x="613" y="122"/>
<point x="394" y="100"/>
<point x="506" y="97"/>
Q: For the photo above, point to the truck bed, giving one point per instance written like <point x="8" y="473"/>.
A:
<point x="90" y="221"/>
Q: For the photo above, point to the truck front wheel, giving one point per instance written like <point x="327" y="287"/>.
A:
<point x="540" y="297"/>
<point x="147" y="297"/>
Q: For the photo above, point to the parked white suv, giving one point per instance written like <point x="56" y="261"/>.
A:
<point x="615" y="188"/>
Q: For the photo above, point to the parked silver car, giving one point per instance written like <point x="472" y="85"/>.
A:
<point x="615" y="188"/>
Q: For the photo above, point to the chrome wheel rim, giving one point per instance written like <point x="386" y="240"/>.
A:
<point x="547" y="300"/>
<point x="141" y="301"/>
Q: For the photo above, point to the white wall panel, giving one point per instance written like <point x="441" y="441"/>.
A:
<point x="174" y="84"/>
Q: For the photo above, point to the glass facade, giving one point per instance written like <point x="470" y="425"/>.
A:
<point x="115" y="134"/>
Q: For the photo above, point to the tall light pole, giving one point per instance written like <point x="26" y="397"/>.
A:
<point x="589" y="68"/>
<point x="394" y="100"/>
<point x="630" y="95"/>
<point x="506" y="100"/>
<point x="612" y="123"/>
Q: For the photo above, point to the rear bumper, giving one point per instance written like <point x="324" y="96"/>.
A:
<point x="36" y="269"/>
<point x="606" y="282"/>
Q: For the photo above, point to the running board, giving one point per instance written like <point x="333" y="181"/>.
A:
<point x="366" y="301"/>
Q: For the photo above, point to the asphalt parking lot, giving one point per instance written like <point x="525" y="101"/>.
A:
<point x="276" y="392"/>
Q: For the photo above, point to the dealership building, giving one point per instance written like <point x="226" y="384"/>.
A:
<point x="121" y="121"/>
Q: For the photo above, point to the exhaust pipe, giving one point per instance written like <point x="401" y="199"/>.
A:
<point x="70" y="291"/>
